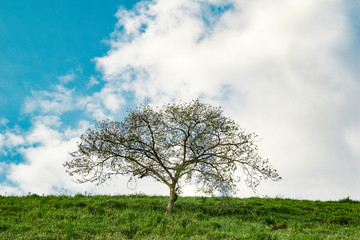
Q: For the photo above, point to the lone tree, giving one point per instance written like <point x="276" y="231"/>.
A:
<point x="175" y="144"/>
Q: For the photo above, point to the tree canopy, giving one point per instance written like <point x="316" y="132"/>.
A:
<point x="176" y="144"/>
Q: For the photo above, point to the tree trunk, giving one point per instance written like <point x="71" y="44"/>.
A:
<point x="172" y="199"/>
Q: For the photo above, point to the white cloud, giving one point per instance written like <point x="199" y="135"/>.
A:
<point x="67" y="78"/>
<point x="44" y="135"/>
<point x="42" y="172"/>
<point x="13" y="140"/>
<point x="275" y="67"/>
<point x="3" y="167"/>
<point x="93" y="81"/>
<point x="6" y="190"/>
<point x="352" y="137"/>
<point x="107" y="103"/>
<point x="4" y="121"/>
<point x="48" y="106"/>
<point x="50" y="102"/>
<point x="44" y="150"/>
<point x="47" y="120"/>
<point x="2" y="141"/>
<point x="10" y="140"/>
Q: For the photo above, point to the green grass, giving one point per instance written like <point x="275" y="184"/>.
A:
<point x="142" y="217"/>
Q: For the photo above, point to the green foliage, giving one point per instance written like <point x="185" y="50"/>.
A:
<point x="142" y="217"/>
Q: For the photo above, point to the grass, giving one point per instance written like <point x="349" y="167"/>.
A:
<point x="142" y="217"/>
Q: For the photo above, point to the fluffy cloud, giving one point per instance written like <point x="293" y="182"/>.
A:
<point x="171" y="54"/>
<point x="44" y="148"/>
<point x="2" y="140"/>
<point x="50" y="102"/>
<point x="352" y="137"/>
<point x="13" y="140"/>
<point x="104" y="104"/>
<point x="67" y="78"/>
<point x="10" y="140"/>
<point x="93" y="81"/>
<point x="279" y="69"/>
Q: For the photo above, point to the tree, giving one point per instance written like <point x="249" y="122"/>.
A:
<point x="174" y="144"/>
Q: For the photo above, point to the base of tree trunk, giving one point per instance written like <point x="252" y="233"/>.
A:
<point x="173" y="198"/>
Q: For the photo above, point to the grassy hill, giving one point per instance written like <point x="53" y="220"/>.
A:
<point x="142" y="217"/>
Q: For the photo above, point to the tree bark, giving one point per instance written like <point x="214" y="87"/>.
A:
<point x="172" y="199"/>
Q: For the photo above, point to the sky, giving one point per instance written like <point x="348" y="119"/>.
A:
<point x="286" y="70"/>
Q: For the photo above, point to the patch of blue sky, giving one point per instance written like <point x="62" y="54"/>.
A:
<point x="130" y="104"/>
<point x="44" y="44"/>
<point x="211" y="13"/>
<point x="9" y="156"/>
<point x="42" y="40"/>
<point x="71" y="118"/>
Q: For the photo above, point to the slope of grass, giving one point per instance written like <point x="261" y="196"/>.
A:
<point x="142" y="217"/>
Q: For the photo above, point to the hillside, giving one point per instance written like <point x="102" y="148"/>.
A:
<point x="142" y="217"/>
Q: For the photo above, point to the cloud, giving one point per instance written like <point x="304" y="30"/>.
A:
<point x="4" y="122"/>
<point x="93" y="81"/>
<point x="47" y="120"/>
<point x="10" y="191"/>
<point x="44" y="150"/>
<point x="10" y="140"/>
<point x="276" y="68"/>
<point x="13" y="140"/>
<point x="50" y="102"/>
<point x="67" y="78"/>
<point x="42" y="171"/>
<point x="281" y="70"/>
<point x="107" y="103"/>
<point x="2" y="140"/>
<point x="352" y="137"/>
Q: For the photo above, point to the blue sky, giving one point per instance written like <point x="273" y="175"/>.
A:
<point x="42" y="40"/>
<point x="288" y="72"/>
